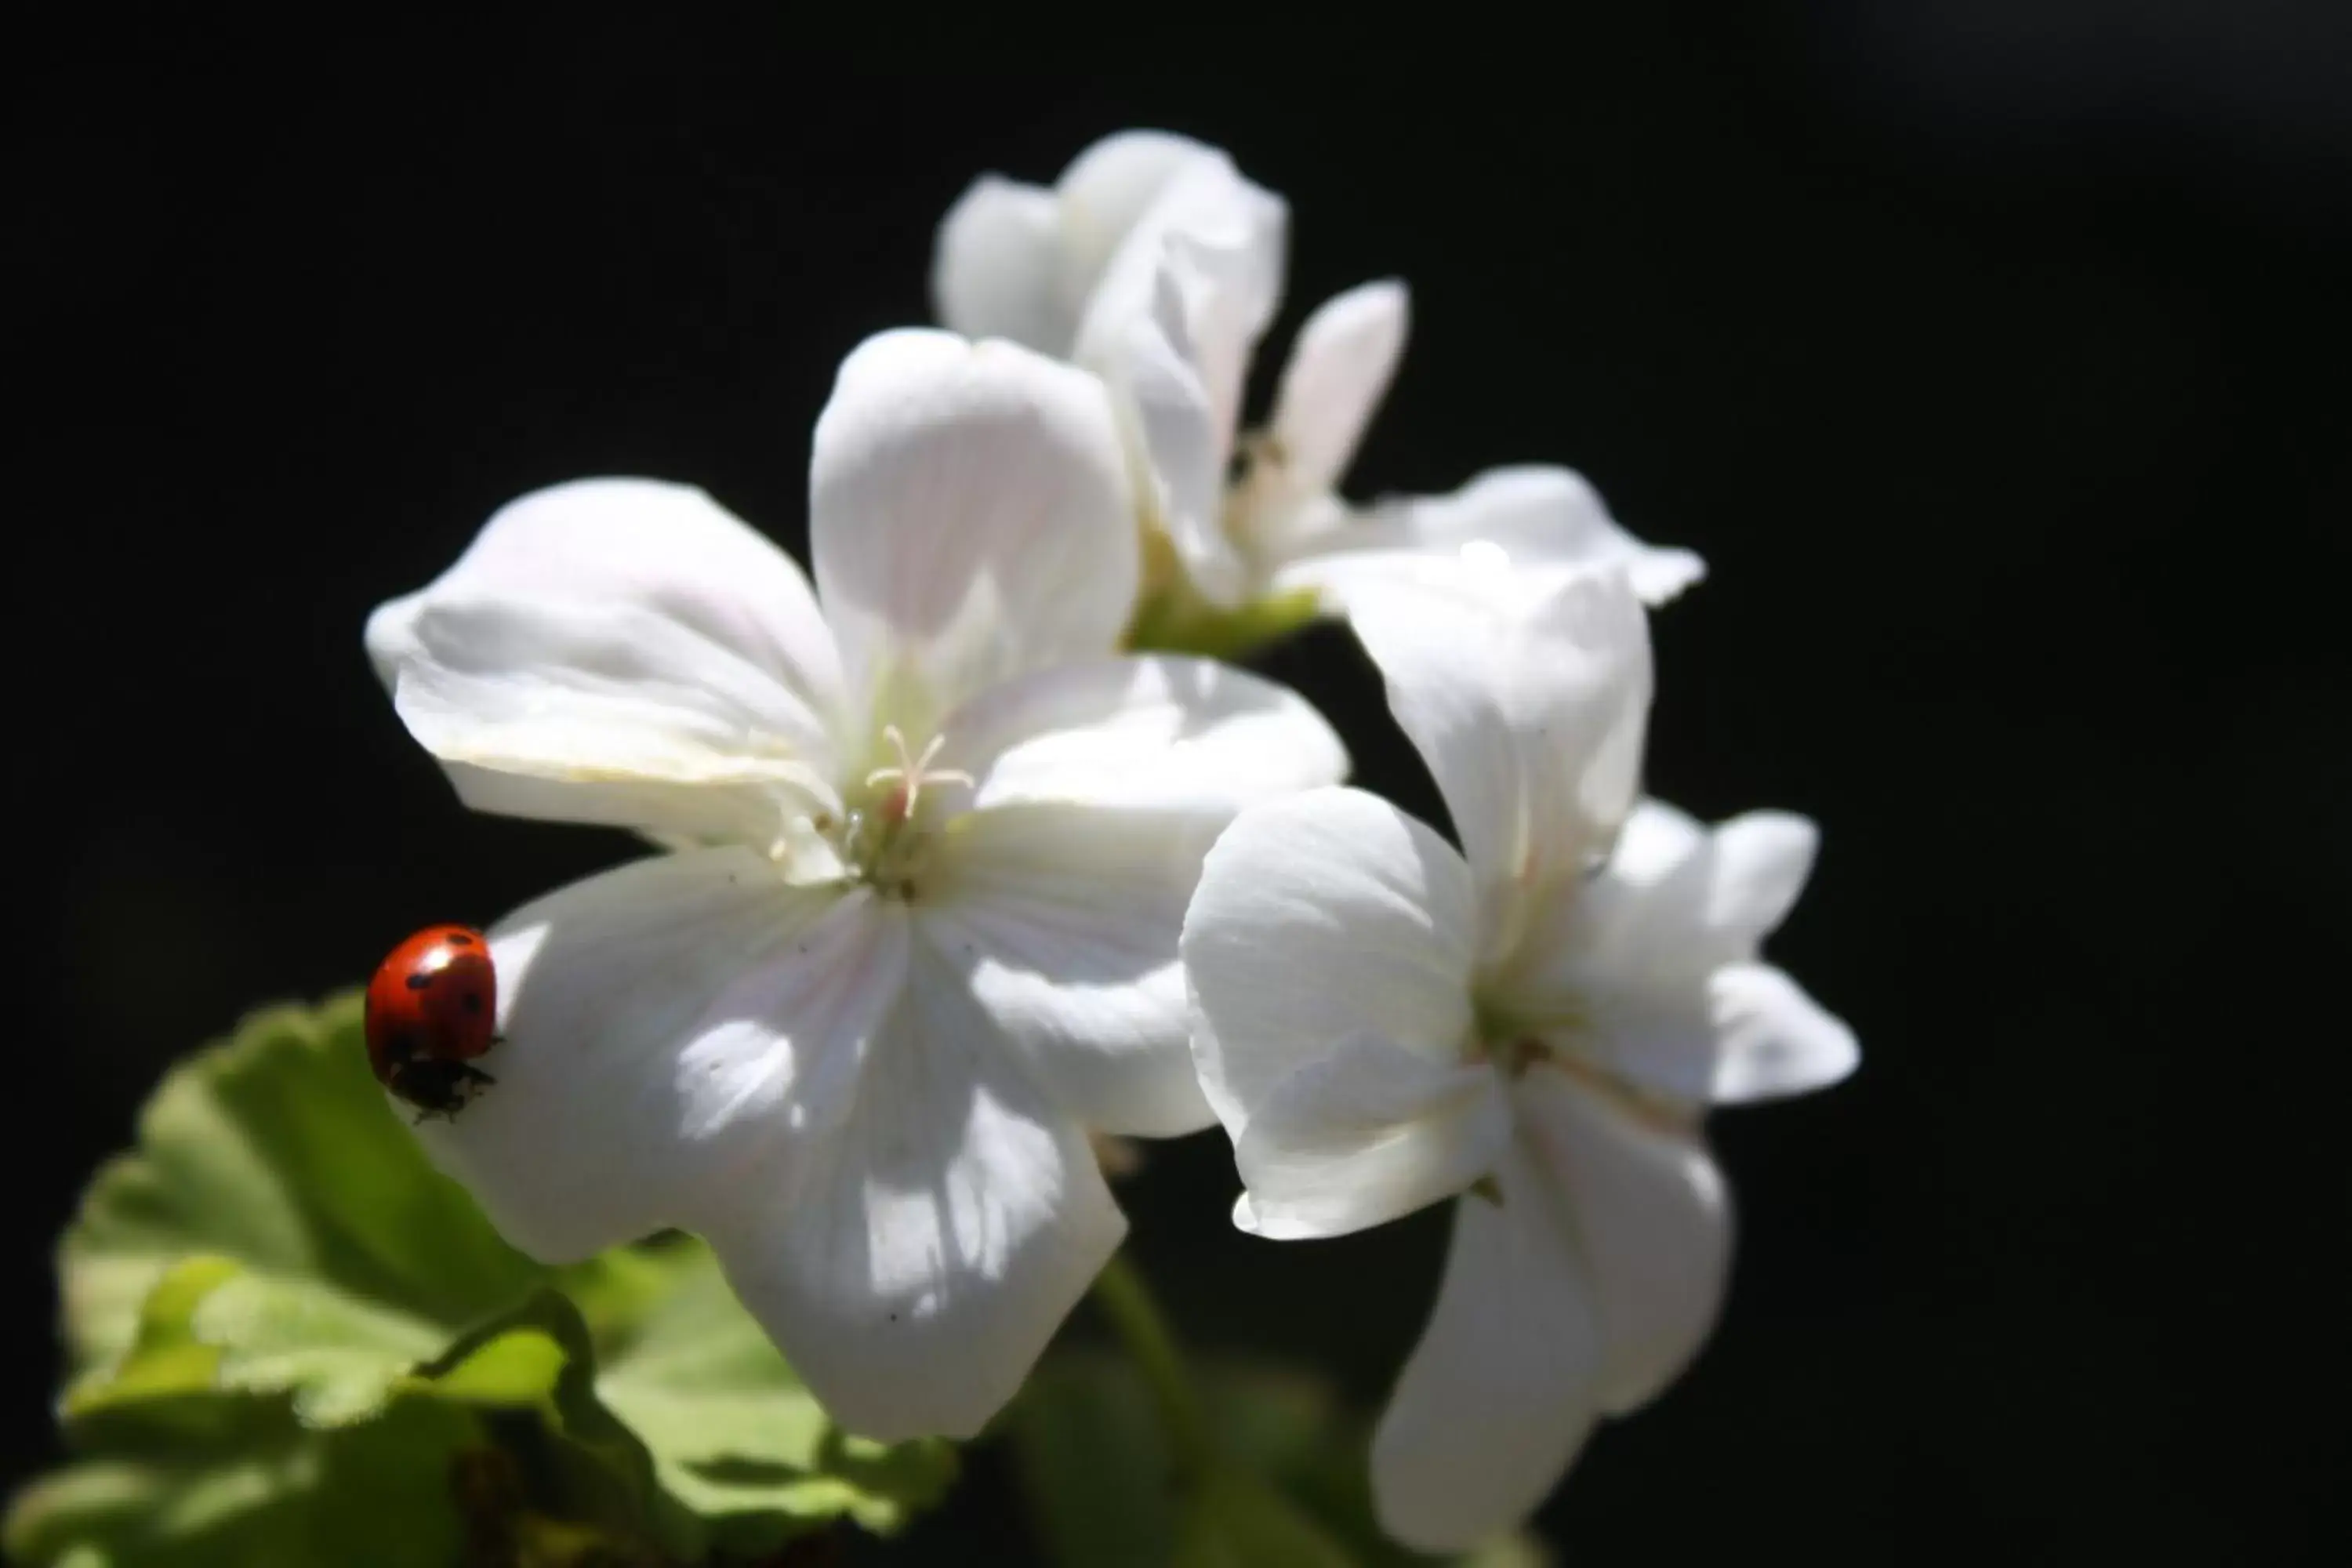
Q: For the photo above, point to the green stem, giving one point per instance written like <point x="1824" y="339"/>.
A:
<point x="1123" y="1297"/>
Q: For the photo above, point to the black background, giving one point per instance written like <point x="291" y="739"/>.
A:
<point x="1995" y="356"/>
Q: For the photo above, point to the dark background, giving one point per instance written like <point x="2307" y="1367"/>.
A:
<point x="1995" y="356"/>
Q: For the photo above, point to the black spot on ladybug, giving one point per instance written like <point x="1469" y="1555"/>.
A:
<point x="471" y="1001"/>
<point x="421" y="979"/>
<point x="403" y="1047"/>
<point x="459" y="938"/>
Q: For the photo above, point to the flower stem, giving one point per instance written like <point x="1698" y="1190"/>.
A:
<point x="1123" y="1297"/>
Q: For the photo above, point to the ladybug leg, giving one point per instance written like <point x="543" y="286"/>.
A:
<point x="436" y="1086"/>
<point x="470" y="1082"/>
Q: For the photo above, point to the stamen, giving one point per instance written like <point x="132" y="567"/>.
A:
<point x="909" y="774"/>
<point x="892" y="733"/>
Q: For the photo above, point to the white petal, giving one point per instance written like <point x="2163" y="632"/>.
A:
<point x="1223" y="241"/>
<point x="1365" y="1135"/>
<point x="668" y="547"/>
<point x="996" y="270"/>
<point x="969" y="515"/>
<point x="1647" y="970"/>
<point x="1498" y="1395"/>
<point x="1064" y="920"/>
<point x="1020" y="261"/>
<point x="1339" y="370"/>
<point x="1171" y="418"/>
<point x="1105" y="193"/>
<point x="1656" y="840"/>
<point x="1228" y="240"/>
<point x="1675" y="897"/>
<point x="1170" y="327"/>
<point x="1529" y="708"/>
<point x="1773" y="1039"/>
<point x="1100" y="786"/>
<point x="1157" y="731"/>
<point x="660" y="1023"/>
<point x="1648" y="1213"/>
<point x="1527" y="517"/>
<point x="1319" y="919"/>
<point x="619" y="651"/>
<point x="1762" y="861"/>
<point x="912" y="1263"/>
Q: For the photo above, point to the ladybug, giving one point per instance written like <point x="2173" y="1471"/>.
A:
<point x="432" y="1008"/>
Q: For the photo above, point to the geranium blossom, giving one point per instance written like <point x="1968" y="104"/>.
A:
<point x="934" y="844"/>
<point x="1154" y="263"/>
<point x="1536" y="1023"/>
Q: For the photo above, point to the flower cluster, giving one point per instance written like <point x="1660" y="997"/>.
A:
<point x="1155" y="264"/>
<point x="951" y="880"/>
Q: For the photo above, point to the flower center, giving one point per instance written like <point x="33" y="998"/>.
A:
<point x="887" y="837"/>
<point x="1564" y="1042"/>
<point x="1510" y="1044"/>
<point x="1510" y="1056"/>
<point x="1256" y="487"/>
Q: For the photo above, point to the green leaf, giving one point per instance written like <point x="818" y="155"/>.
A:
<point x="694" y="1425"/>
<point x="1239" y="1522"/>
<point x="588" y="1465"/>
<point x="277" y="1280"/>
<point x="277" y="1149"/>
<point x="210" y="1325"/>
<point x="277" y="1232"/>
<point x="1094" y="1461"/>
<point x="1290" y="1486"/>
<point x="735" y="1436"/>
<point x="1290" y="1428"/>
<point x="279" y="1495"/>
<point x="1105" y="1487"/>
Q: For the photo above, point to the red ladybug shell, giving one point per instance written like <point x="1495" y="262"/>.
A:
<point x="433" y="1005"/>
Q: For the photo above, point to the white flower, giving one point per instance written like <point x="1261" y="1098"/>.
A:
<point x="1538" y="1021"/>
<point x="941" y="842"/>
<point x="1154" y="263"/>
